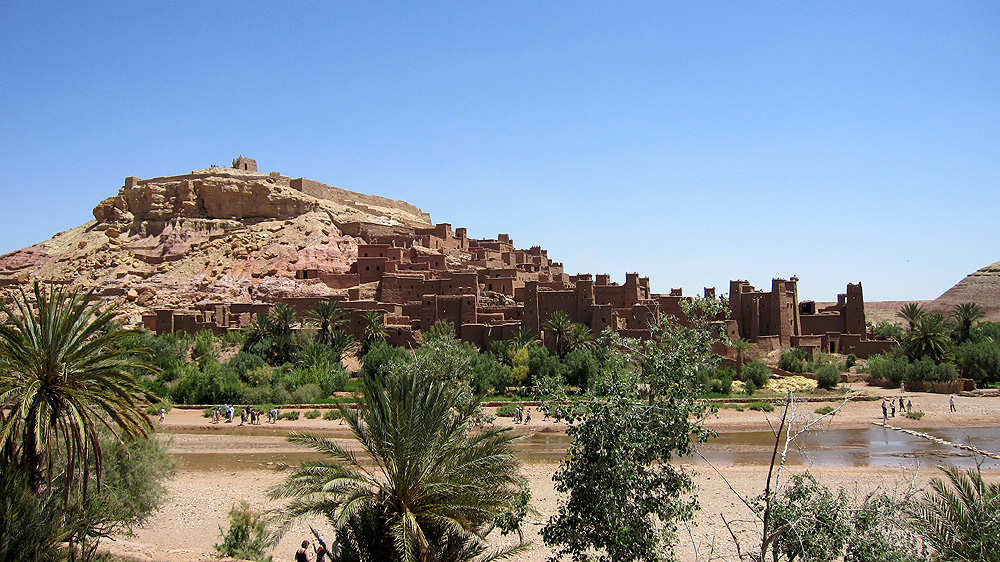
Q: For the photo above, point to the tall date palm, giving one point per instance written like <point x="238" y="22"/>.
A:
<point x="64" y="377"/>
<point x="427" y="489"/>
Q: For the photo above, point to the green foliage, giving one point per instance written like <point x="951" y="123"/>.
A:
<point x="851" y="361"/>
<point x="311" y="414"/>
<point x="65" y="377"/>
<point x="825" y="410"/>
<point x="888" y="331"/>
<point x="328" y="318"/>
<point x="292" y="415"/>
<point x="247" y="535"/>
<point x="757" y="372"/>
<point x="928" y="339"/>
<point x="761" y="406"/>
<point x="382" y="359"/>
<point x="880" y="532"/>
<point x="441" y="331"/>
<point x="912" y="313"/>
<point x="979" y="360"/>
<point x="132" y="475"/>
<point x="807" y="521"/>
<point x="374" y="330"/>
<point x="888" y="368"/>
<point x="749" y="388"/>
<point x="618" y="468"/>
<point x="965" y="314"/>
<point x="793" y="360"/>
<point x="435" y="489"/>
<point x="582" y="367"/>
<point x="31" y="525"/>
<point x="827" y="377"/>
<point x="204" y="345"/>
<point x="506" y="410"/>
<point x="958" y="517"/>
<point x="557" y="330"/>
<point x="914" y="415"/>
<point x="331" y="415"/>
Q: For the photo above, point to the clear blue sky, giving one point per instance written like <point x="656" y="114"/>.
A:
<point x="691" y="142"/>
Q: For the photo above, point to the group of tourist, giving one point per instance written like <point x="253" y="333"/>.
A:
<point x="889" y="408"/>
<point x="248" y="415"/>
<point x="523" y="415"/>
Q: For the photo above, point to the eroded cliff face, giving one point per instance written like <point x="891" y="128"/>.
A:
<point x="981" y="287"/>
<point x="215" y="235"/>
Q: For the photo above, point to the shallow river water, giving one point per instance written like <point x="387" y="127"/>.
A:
<point x="263" y="447"/>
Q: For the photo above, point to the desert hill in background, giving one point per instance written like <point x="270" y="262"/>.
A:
<point x="218" y="234"/>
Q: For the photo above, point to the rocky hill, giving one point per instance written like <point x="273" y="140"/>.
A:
<point x="218" y="234"/>
<point x="981" y="287"/>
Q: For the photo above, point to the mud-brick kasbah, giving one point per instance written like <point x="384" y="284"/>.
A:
<point x="212" y="249"/>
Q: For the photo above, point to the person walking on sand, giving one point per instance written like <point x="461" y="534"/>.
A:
<point x="527" y="416"/>
<point x="163" y="414"/>
<point x="951" y="402"/>
<point x="885" y="414"/>
<point x="909" y="406"/>
<point x="892" y="407"/>
<point x="901" y="406"/>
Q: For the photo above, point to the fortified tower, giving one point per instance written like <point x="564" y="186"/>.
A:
<point x="245" y="164"/>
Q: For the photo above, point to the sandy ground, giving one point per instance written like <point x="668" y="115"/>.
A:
<point x="204" y="488"/>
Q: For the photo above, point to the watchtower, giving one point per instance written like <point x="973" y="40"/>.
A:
<point x="246" y="164"/>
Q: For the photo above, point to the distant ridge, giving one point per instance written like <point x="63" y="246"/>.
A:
<point x="981" y="287"/>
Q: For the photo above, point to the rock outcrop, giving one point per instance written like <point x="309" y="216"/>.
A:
<point x="216" y="234"/>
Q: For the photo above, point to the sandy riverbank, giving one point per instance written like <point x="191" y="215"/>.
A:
<point x="200" y="497"/>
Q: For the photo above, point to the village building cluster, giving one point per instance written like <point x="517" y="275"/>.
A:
<point x="490" y="290"/>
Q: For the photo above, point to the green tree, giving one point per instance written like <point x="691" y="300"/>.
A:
<point x="64" y="377"/>
<point x="32" y="526"/>
<point x="965" y="314"/>
<point x="741" y="347"/>
<point x="374" y="331"/>
<point x="911" y="312"/>
<point x="960" y="517"/>
<point x="434" y="490"/>
<point x="808" y="521"/>
<point x="580" y="338"/>
<point x="328" y="318"/>
<point x="623" y="497"/>
<point x="247" y="537"/>
<point x="558" y="329"/>
<point x="928" y="339"/>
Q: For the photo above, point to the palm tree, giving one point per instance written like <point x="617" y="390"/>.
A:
<point x="965" y="314"/>
<point x="328" y="317"/>
<point x="741" y="347"/>
<point x="558" y="328"/>
<point x="911" y="312"/>
<point x="580" y="337"/>
<point x="928" y="338"/>
<point x="64" y="378"/>
<point x="374" y="330"/>
<point x="428" y="488"/>
<point x="960" y="521"/>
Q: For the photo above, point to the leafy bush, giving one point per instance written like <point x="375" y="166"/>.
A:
<point x="825" y="410"/>
<point x="793" y="360"/>
<point x="757" y="372"/>
<point x="888" y="331"/>
<point x="761" y="406"/>
<point x="204" y="345"/>
<point x="851" y="361"/>
<point x="507" y="410"/>
<point x="290" y="416"/>
<point x="312" y="414"/>
<point x="331" y="415"/>
<point x="914" y="415"/>
<point x="828" y="377"/>
<point x="246" y="538"/>
<point x="750" y="388"/>
<point x="887" y="368"/>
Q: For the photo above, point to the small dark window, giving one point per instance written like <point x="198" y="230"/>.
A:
<point x="367" y="268"/>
